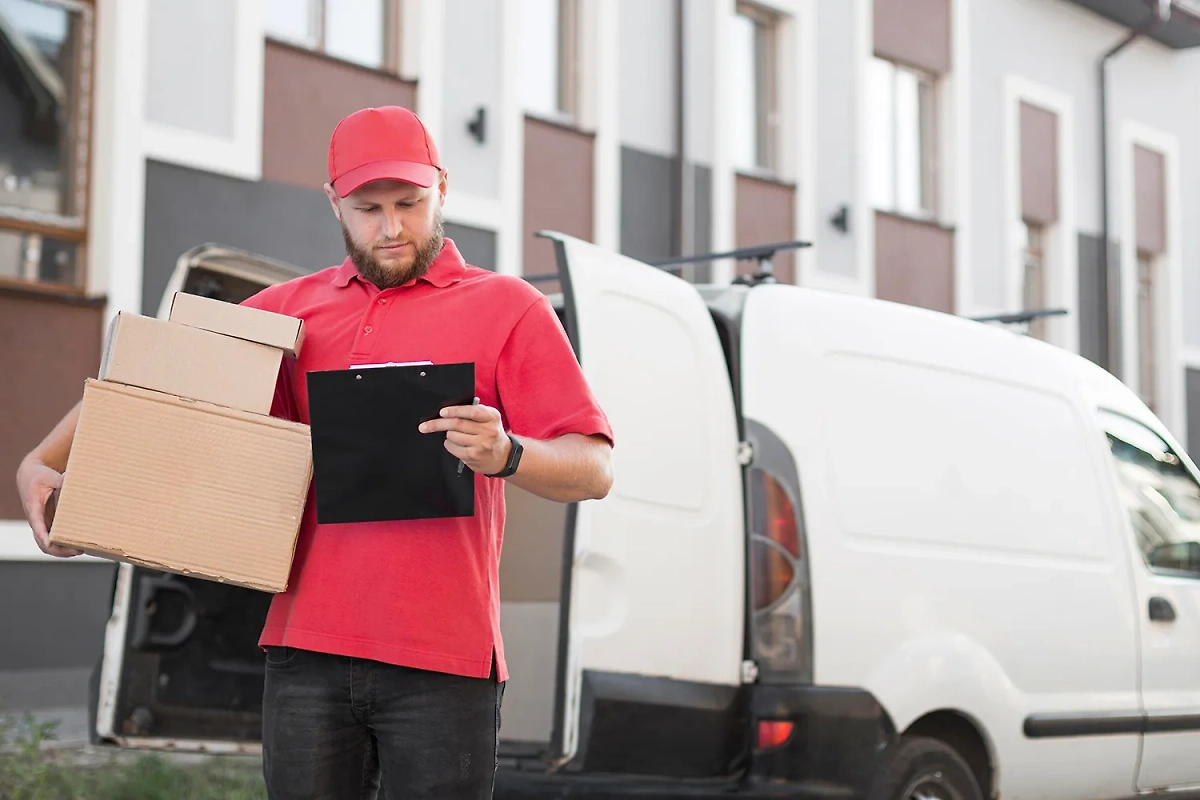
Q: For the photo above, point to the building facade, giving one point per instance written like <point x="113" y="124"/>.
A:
<point x="942" y="153"/>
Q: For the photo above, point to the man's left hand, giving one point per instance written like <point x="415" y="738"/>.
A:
<point x="474" y="434"/>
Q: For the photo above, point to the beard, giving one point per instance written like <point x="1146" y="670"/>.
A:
<point x="383" y="277"/>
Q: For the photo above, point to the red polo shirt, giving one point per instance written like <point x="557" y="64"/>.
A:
<point x="422" y="594"/>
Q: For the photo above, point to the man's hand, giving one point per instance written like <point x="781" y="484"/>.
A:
<point x="475" y="435"/>
<point x="36" y="482"/>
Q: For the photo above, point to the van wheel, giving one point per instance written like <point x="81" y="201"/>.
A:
<point x="925" y="769"/>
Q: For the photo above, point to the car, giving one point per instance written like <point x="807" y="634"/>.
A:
<point x="853" y="549"/>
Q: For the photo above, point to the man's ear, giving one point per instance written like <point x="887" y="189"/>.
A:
<point x="443" y="182"/>
<point x="333" y="201"/>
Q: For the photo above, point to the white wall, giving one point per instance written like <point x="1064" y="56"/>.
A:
<point x="473" y="73"/>
<point x="647" y="66"/>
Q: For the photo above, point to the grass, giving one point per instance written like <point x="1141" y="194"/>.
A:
<point x="29" y="770"/>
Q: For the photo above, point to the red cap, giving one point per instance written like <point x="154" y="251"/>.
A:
<point x="386" y="143"/>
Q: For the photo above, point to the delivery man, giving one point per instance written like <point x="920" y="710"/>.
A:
<point x="385" y="664"/>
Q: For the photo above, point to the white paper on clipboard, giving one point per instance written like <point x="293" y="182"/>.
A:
<point x="391" y="364"/>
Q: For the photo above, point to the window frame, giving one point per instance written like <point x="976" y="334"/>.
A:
<point x="768" y="122"/>
<point x="1035" y="252"/>
<point x="72" y="229"/>
<point x="929" y="134"/>
<point x="1104" y="413"/>
<point x="393" y="37"/>
<point x="1146" y="327"/>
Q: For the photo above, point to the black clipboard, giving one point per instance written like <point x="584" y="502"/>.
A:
<point x="370" y="461"/>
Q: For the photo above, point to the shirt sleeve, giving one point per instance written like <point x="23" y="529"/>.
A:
<point x="543" y="391"/>
<point x="283" y="405"/>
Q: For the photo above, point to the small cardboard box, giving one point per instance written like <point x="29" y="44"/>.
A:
<point x="183" y="486"/>
<point x="241" y="322"/>
<point x="191" y="363"/>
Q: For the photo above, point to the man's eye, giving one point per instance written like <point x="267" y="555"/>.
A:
<point x="368" y="209"/>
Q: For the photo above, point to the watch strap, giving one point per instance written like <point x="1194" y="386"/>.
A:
<point x="514" y="459"/>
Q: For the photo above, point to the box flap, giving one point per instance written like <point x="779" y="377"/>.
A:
<point x="242" y="322"/>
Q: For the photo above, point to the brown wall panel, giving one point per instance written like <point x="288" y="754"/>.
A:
<point x="305" y="95"/>
<point x="914" y="262"/>
<point x="48" y="346"/>
<point x="914" y="32"/>
<point x="558" y="191"/>
<point x="765" y="213"/>
<point x="1039" y="164"/>
<point x="1150" y="187"/>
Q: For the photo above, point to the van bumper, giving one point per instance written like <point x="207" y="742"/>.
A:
<point x="839" y="740"/>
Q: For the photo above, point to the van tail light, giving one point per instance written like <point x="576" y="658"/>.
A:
<point x="780" y="614"/>
<point x="773" y="733"/>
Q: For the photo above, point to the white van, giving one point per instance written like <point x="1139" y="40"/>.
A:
<point x="853" y="549"/>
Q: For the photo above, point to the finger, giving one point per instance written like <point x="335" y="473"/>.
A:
<point x="452" y="424"/>
<point x="462" y="438"/>
<point x="476" y="413"/>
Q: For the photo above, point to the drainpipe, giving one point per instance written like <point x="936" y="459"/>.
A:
<point x="1110" y="273"/>
<point x="681" y="238"/>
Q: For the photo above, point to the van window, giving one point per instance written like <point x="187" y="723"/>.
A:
<point x="1161" y="496"/>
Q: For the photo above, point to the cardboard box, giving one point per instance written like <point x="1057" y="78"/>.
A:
<point x="191" y="363"/>
<point x="241" y="322"/>
<point x="185" y="487"/>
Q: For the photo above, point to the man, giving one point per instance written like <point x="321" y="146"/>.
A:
<point x="384" y="657"/>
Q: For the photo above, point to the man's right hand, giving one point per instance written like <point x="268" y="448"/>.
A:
<point x="36" y="482"/>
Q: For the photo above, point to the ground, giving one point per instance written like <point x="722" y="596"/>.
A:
<point x="34" y="765"/>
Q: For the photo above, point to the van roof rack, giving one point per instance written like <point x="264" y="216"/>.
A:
<point x="1019" y="317"/>
<point x="762" y="253"/>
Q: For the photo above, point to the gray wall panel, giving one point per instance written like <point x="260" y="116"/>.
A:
<point x="1192" y="400"/>
<point x="186" y="207"/>
<point x="1092" y="313"/>
<point x="647" y="205"/>
<point x="478" y="246"/>
<point x="648" y="211"/>
<point x="64" y="608"/>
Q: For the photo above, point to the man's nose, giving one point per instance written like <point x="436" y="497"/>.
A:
<point x="393" y="225"/>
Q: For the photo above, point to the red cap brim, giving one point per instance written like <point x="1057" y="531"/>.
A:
<point x="422" y="175"/>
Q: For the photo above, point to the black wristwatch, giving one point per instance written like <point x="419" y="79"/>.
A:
<point x="514" y="458"/>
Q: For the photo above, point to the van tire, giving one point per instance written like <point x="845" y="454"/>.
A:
<point x="925" y="769"/>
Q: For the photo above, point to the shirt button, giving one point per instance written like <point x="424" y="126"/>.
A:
<point x="382" y="301"/>
<point x="367" y="329"/>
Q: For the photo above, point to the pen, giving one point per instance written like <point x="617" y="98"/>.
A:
<point x="461" y="463"/>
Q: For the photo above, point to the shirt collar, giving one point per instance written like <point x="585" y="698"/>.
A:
<point x="447" y="269"/>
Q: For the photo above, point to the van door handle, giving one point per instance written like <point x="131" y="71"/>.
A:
<point x="1161" y="610"/>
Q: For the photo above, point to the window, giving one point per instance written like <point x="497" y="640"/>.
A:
<point x="1160" y="495"/>
<point x="550" y="51"/>
<point x="359" y="31"/>
<point x="45" y="66"/>
<point x="1147" y="319"/>
<point x="754" y="111"/>
<point x="903" y="132"/>
<point x="1034" y="286"/>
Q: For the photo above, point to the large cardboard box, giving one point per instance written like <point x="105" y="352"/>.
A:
<point x="241" y="322"/>
<point x="184" y="486"/>
<point x="190" y="362"/>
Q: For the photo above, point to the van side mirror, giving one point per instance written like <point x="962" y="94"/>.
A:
<point x="1177" y="556"/>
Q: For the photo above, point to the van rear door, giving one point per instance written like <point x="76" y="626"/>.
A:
<point x="181" y="667"/>
<point x="650" y="682"/>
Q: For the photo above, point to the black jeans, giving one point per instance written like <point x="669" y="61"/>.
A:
<point x="338" y="728"/>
